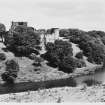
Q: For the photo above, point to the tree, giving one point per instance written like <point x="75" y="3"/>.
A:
<point x="91" y="43"/>
<point x="57" y="51"/>
<point x="64" y="32"/>
<point x="2" y="56"/>
<point x="68" y="64"/>
<point x="11" y="71"/>
<point x="79" y="55"/>
<point x="50" y="46"/>
<point x="23" y="42"/>
<point x="2" y="30"/>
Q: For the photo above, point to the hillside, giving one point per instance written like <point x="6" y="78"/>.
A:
<point x="61" y="52"/>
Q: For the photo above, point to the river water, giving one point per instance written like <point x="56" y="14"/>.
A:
<point x="98" y="76"/>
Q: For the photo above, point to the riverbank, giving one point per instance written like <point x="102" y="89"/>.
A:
<point x="86" y="71"/>
<point x="62" y="94"/>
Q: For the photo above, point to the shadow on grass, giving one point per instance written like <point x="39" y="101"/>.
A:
<point x="5" y="49"/>
<point x="52" y="65"/>
<point x="33" y="86"/>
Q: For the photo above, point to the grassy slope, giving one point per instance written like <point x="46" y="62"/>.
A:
<point x="28" y="71"/>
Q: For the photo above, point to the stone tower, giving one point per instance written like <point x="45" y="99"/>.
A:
<point x="15" y="24"/>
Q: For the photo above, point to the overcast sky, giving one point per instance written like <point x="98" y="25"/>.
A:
<point x="82" y="14"/>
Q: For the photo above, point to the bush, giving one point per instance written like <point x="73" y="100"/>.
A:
<point x="32" y="56"/>
<point x="80" y="64"/>
<point x="25" y="51"/>
<point x="12" y="69"/>
<point x="37" y="61"/>
<point x="68" y="64"/>
<point x="2" y="57"/>
<point x="12" y="65"/>
<point x="79" y="55"/>
<point x="64" y="33"/>
<point x="8" y="78"/>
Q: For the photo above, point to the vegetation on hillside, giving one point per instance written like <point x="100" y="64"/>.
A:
<point x="59" y="54"/>
<point x="92" y="43"/>
<point x="79" y="55"/>
<point x="2" y="57"/>
<point x="2" y="31"/>
<point x="11" y="71"/>
<point x="23" y="42"/>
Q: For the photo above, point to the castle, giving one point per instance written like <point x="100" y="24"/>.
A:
<point x="53" y="36"/>
<point x="48" y="37"/>
<point x="22" y="24"/>
<point x="15" y="24"/>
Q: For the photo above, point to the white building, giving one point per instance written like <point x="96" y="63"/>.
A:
<point x="52" y="37"/>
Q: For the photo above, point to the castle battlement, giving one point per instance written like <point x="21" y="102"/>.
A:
<point x="16" y="24"/>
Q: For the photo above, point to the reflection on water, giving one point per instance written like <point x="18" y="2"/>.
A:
<point x="98" y="76"/>
<point x="33" y="86"/>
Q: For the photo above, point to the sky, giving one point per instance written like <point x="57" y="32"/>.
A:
<point x="81" y="14"/>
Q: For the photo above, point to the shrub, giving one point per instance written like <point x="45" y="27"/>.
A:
<point x="8" y="78"/>
<point x="2" y="57"/>
<point x="12" y="69"/>
<point x="80" y="64"/>
<point x="68" y="64"/>
<point x="32" y="56"/>
<point x="79" y="55"/>
<point x="37" y="61"/>
<point x="2" y="27"/>
<point x="64" y="32"/>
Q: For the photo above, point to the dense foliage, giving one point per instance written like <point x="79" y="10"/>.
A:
<point x="69" y="64"/>
<point x="23" y="42"/>
<point x="11" y="71"/>
<point x="59" y="54"/>
<point x="2" y="28"/>
<point x="57" y="51"/>
<point x="92" y="43"/>
<point x="2" y="57"/>
<point x="79" y="55"/>
<point x="2" y="31"/>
